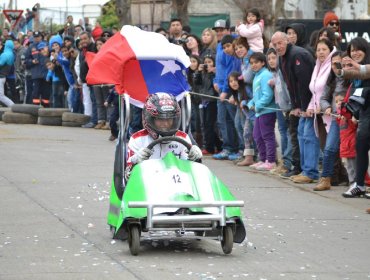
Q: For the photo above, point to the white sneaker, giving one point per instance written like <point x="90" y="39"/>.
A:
<point x="354" y="191"/>
<point x="256" y="164"/>
<point x="267" y="166"/>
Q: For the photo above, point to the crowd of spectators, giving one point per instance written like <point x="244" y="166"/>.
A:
<point x="242" y="85"/>
<point x="315" y="92"/>
<point x="50" y="70"/>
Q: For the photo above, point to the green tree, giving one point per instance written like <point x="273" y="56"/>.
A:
<point x="109" y="17"/>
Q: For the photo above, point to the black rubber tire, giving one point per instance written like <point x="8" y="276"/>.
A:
<point x="227" y="241"/>
<point x="19" y="118"/>
<point x="134" y="239"/>
<point x="52" y="112"/>
<point x="70" y="124"/>
<point x="26" y="109"/>
<point x="81" y="119"/>
<point x="2" y="111"/>
<point x="54" y="121"/>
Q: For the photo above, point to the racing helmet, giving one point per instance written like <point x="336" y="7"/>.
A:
<point x="161" y="106"/>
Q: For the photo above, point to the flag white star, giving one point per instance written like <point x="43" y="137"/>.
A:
<point x="169" y="66"/>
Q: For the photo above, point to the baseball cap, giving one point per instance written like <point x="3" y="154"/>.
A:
<point x="220" y="23"/>
<point x="41" y="45"/>
<point x="37" y="34"/>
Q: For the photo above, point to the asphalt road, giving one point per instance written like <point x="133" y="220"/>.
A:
<point x="54" y="196"/>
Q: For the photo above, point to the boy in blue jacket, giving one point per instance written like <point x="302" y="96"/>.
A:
<point x="226" y="63"/>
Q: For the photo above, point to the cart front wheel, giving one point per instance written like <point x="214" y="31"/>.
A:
<point x="227" y="241"/>
<point x="134" y="240"/>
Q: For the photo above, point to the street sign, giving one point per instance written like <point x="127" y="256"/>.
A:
<point x="13" y="16"/>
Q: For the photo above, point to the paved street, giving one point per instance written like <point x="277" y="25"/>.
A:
<point x="54" y="196"/>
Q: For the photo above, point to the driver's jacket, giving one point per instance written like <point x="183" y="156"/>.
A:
<point x="142" y="139"/>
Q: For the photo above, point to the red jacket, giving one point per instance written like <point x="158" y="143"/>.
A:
<point x="347" y="131"/>
<point x="347" y="138"/>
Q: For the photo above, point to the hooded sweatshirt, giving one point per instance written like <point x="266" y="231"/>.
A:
<point x="300" y="30"/>
<point x="317" y="86"/>
<point x="7" y="59"/>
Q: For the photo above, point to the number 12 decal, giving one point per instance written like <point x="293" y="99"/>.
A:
<point x="176" y="178"/>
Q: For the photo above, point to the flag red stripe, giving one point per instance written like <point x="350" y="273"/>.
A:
<point x="134" y="82"/>
<point x="109" y="63"/>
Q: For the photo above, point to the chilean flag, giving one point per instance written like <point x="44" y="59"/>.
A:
<point x="139" y="63"/>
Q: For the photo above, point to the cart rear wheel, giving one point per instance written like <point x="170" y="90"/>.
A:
<point x="134" y="240"/>
<point x="227" y="241"/>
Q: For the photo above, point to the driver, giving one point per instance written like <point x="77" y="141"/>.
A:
<point x="161" y="117"/>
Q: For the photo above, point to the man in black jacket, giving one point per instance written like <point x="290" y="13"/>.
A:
<point x="87" y="45"/>
<point x="296" y="65"/>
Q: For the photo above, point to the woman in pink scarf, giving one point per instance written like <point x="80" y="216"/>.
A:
<point x="324" y="51"/>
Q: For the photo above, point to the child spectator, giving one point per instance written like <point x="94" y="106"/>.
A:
<point x="263" y="104"/>
<point x="243" y="125"/>
<point x="64" y="59"/>
<point x="57" y="85"/>
<point x="348" y="128"/>
<point x="243" y="52"/>
<point x="252" y="30"/>
<point x="280" y="93"/>
<point x="228" y="63"/>
<point x="195" y="123"/>
<point x="204" y="78"/>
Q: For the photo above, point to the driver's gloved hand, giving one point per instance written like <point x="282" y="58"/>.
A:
<point x="195" y="153"/>
<point x="141" y="155"/>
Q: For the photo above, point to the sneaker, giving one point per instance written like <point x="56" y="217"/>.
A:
<point x="281" y="169"/>
<point x="235" y="156"/>
<point x="267" y="166"/>
<point x="88" y="125"/>
<point x="302" y="179"/>
<point x="256" y="164"/>
<point x="354" y="191"/>
<point x="224" y="154"/>
<point x="290" y="173"/>
<point x="367" y="195"/>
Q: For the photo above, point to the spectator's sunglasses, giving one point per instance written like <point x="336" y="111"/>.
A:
<point x="332" y="23"/>
<point x="106" y="35"/>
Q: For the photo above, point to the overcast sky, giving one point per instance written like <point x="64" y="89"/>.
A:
<point x="58" y="9"/>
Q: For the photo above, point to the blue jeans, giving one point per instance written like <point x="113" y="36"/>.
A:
<point x="330" y="150"/>
<point x="225" y="121"/>
<point x="309" y="147"/>
<point x="285" y="142"/>
<point x="57" y="95"/>
<point x="94" y="116"/>
<point x="239" y="122"/>
<point x="73" y="100"/>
